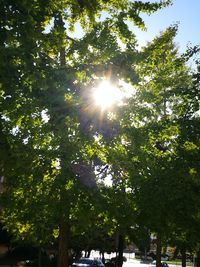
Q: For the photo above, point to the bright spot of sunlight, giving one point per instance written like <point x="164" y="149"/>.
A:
<point x="105" y="95"/>
<point x="127" y="89"/>
<point x="45" y="116"/>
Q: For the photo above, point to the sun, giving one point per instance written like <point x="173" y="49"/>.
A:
<point x="106" y="95"/>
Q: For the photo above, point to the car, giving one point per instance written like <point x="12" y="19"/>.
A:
<point x="163" y="264"/>
<point x="164" y="257"/>
<point x="88" y="262"/>
<point x="116" y="259"/>
<point x="151" y="255"/>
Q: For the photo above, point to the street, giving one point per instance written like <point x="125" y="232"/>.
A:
<point x="138" y="263"/>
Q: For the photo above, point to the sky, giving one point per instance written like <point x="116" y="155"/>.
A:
<point x="184" y="12"/>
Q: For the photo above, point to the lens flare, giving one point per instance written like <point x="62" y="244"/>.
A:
<point x="106" y="95"/>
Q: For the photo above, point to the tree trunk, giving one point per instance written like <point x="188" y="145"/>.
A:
<point x="120" y="251"/>
<point x="64" y="229"/>
<point x="87" y="253"/>
<point x="197" y="259"/>
<point x="103" y="257"/>
<point x="62" y="56"/>
<point x="183" y="254"/>
<point x="63" y="256"/>
<point x="158" y="251"/>
<point x="145" y="254"/>
<point x="39" y="257"/>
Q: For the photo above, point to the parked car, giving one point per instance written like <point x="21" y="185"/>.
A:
<point x="163" y="264"/>
<point x="164" y="257"/>
<point x="88" y="262"/>
<point x="116" y="259"/>
<point x="152" y="255"/>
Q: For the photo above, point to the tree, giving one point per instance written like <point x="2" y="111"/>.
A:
<point x="44" y="79"/>
<point x="186" y="170"/>
<point x="152" y="129"/>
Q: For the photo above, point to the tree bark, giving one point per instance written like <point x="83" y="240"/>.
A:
<point x="39" y="257"/>
<point x="87" y="253"/>
<point x="183" y="254"/>
<point x="158" y="251"/>
<point x="197" y="259"/>
<point x="120" y="250"/>
<point x="62" y="56"/>
<point x="64" y="229"/>
<point x="63" y="256"/>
